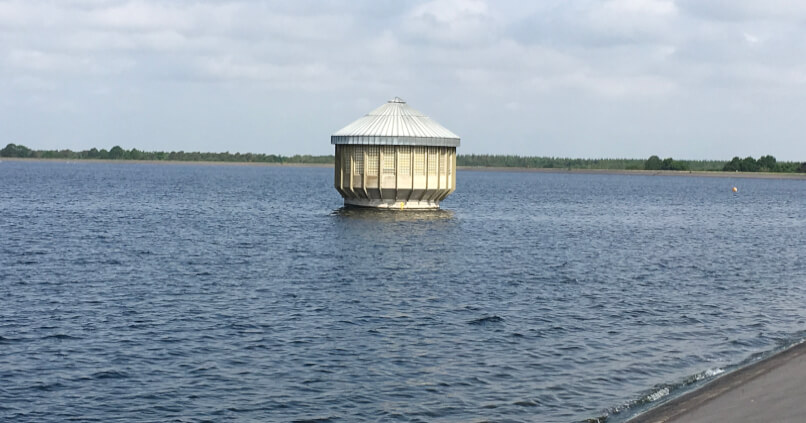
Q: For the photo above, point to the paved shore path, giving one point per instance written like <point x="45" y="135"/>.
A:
<point x="771" y="390"/>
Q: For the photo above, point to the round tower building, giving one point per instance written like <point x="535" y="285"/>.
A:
<point x="395" y="157"/>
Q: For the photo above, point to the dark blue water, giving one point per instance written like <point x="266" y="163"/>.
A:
<point x="140" y="292"/>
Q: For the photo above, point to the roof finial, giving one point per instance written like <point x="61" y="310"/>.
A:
<point x="397" y="100"/>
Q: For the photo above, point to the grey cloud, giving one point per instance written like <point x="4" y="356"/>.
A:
<point x="597" y="24"/>
<point x="570" y="78"/>
<point x="745" y="10"/>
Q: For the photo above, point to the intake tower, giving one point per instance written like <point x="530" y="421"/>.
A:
<point x="395" y="157"/>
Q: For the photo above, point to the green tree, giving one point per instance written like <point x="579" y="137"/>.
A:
<point x="116" y="152"/>
<point x="670" y="164"/>
<point x="14" y="150"/>
<point x="652" y="163"/>
<point x="766" y="163"/>
<point x="733" y="165"/>
<point x="749" y="164"/>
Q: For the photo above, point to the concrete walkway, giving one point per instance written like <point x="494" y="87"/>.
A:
<point x="772" y="390"/>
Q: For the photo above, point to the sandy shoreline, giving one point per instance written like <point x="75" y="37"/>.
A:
<point x="710" y="174"/>
<point x="770" y="390"/>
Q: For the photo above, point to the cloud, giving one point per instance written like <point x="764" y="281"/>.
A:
<point x="642" y="7"/>
<point x="793" y="11"/>
<point x="40" y="62"/>
<point x="450" y="21"/>
<point x="459" y="60"/>
<point x="593" y="23"/>
<point x="607" y="86"/>
<point x="139" y="16"/>
<point x="309" y="76"/>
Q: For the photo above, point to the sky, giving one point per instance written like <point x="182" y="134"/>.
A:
<point x="689" y="79"/>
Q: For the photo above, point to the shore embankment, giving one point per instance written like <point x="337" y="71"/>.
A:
<point x="770" y="390"/>
<point x="711" y="174"/>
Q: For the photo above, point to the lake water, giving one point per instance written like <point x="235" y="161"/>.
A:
<point x="144" y="292"/>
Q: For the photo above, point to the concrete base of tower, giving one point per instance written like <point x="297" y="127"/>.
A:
<point x="391" y="204"/>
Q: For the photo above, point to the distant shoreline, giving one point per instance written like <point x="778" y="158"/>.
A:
<point x="690" y="173"/>
<point x="694" y="173"/>
<point x="167" y="162"/>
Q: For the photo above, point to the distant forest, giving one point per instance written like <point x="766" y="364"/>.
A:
<point x="118" y="153"/>
<point x="748" y="164"/>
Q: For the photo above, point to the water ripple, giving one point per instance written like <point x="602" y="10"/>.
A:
<point x="210" y="293"/>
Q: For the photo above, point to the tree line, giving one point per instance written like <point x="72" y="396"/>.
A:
<point x="766" y="163"/>
<point x="653" y="163"/>
<point x="748" y="164"/>
<point x="763" y="164"/>
<point x="118" y="153"/>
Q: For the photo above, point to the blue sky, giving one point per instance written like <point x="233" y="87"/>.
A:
<point x="691" y="79"/>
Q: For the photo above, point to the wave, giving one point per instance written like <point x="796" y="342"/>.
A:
<point x="60" y="336"/>
<point x="110" y="374"/>
<point x="659" y="394"/>
<point x="666" y="392"/>
<point x="486" y="320"/>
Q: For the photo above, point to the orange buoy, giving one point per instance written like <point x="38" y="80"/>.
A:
<point x="735" y="189"/>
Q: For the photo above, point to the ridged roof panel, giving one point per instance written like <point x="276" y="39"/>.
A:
<point x="395" y="123"/>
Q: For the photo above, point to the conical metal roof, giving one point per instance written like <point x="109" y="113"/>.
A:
<point x="395" y="123"/>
